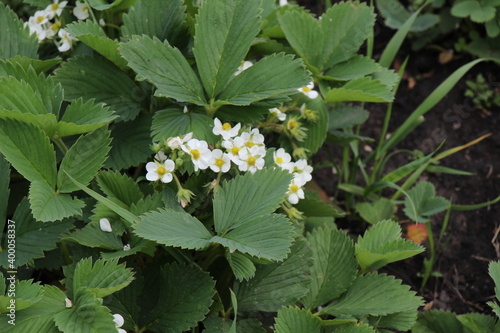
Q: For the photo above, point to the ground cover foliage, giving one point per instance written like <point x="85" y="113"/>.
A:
<point x="155" y="161"/>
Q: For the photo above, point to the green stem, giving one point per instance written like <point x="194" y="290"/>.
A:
<point x="429" y="264"/>
<point x="60" y="143"/>
<point x="65" y="251"/>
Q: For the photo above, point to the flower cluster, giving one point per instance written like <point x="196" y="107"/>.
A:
<point x="242" y="148"/>
<point x="46" y="24"/>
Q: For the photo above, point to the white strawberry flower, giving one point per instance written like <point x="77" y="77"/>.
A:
<point x="302" y="171"/>
<point x="295" y="191"/>
<point x="220" y="161"/>
<point x="105" y="225"/>
<point x="126" y="247"/>
<point x="244" y="65"/>
<point x="277" y="112"/>
<point x="283" y="3"/>
<point x="253" y="138"/>
<point x="160" y="171"/>
<point x="199" y="152"/>
<point x="66" y="41"/>
<point x="40" y="17"/>
<point x="178" y="141"/>
<point x="225" y="130"/>
<point x="68" y="302"/>
<point x="251" y="159"/>
<point x="119" y="321"/>
<point x="56" y="8"/>
<point x="81" y="10"/>
<point x="160" y="156"/>
<point x="308" y="91"/>
<point x="283" y="159"/>
<point x="233" y="147"/>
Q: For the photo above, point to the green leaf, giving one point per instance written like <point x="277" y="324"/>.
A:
<point x="15" y="38"/>
<point x="29" y="151"/>
<point x="224" y="32"/>
<point x="26" y="293"/>
<point x="102" y="5"/>
<point x="465" y="8"/>
<point x="277" y="284"/>
<point x="97" y="78"/>
<point x="323" y="43"/>
<point x="352" y="328"/>
<point x="275" y="76"/>
<point x="241" y="265"/>
<point x="46" y="122"/>
<point x="477" y="322"/>
<point x="119" y="186"/>
<point x="382" y="244"/>
<point x="494" y="272"/>
<point x="20" y="96"/>
<point x="102" y="278"/>
<point x="155" y="18"/>
<point x="401" y="321"/>
<point x="131" y="143"/>
<point x="437" y="321"/>
<point x="346" y="116"/>
<point x="40" y="66"/>
<point x="267" y="236"/>
<point x="80" y="117"/>
<point x="173" y="228"/>
<point x="92" y="34"/>
<point x="317" y="207"/>
<point x="87" y="315"/>
<point x="357" y="66"/>
<point x="374" y="294"/>
<point x="83" y="160"/>
<point x="32" y="237"/>
<point x="92" y="236"/>
<point x="4" y="190"/>
<point x="249" y="197"/>
<point x="362" y="89"/>
<point x="381" y="209"/>
<point x="334" y="266"/>
<point x="125" y="302"/>
<point x="165" y="67"/>
<point x="395" y="15"/>
<point x="422" y="202"/>
<point x="172" y="122"/>
<point x="43" y="324"/>
<point x="293" y="319"/>
<point x="184" y="296"/>
<point x="316" y="130"/>
<point x="48" y="205"/>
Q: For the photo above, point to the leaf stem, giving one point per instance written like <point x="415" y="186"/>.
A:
<point x="60" y="143"/>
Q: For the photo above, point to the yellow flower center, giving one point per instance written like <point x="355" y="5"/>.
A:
<point x="56" y="26"/>
<point x="279" y="160"/>
<point x="54" y="6"/>
<point x="219" y="162"/>
<point x="226" y="126"/>
<point x="249" y="144"/>
<point x="195" y="153"/>
<point x="251" y="160"/>
<point x="161" y="170"/>
<point x="40" y="19"/>
<point x="292" y="124"/>
<point x="235" y="150"/>
<point x="294" y="188"/>
<point x="306" y="89"/>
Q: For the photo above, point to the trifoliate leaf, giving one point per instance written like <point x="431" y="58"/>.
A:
<point x="276" y="76"/>
<point x="102" y="278"/>
<point x="165" y="67"/>
<point x="357" y="66"/>
<point x="184" y="297"/>
<point x="293" y="319"/>
<point x="93" y="77"/>
<point x="401" y="321"/>
<point x="363" y="89"/>
<point x="477" y="322"/>
<point x="277" y="284"/>
<point x="334" y="266"/>
<point x="15" y="38"/>
<point x="395" y="15"/>
<point x="92" y="236"/>
<point x="29" y="151"/>
<point x="32" y="237"/>
<point x="422" y="202"/>
<point x="379" y="210"/>
<point x="224" y="32"/>
<point x="48" y="205"/>
<point x="173" y="228"/>
<point x="346" y="116"/>
<point x="374" y="294"/>
<point x="382" y="244"/>
<point x="437" y="321"/>
<point x="83" y="160"/>
<point x="92" y="34"/>
<point x="155" y="18"/>
<point x="249" y="197"/>
<point x="87" y="315"/>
